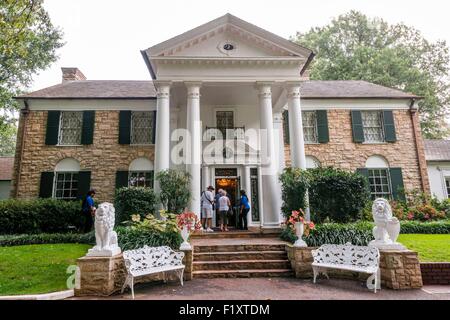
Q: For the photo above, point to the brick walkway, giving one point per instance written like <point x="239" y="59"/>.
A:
<point x="276" y="289"/>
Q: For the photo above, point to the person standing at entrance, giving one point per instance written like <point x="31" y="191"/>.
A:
<point x="207" y="202"/>
<point x="216" y="203"/>
<point x="224" y="207"/>
<point x="243" y="210"/>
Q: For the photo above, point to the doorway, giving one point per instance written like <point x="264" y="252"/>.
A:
<point x="232" y="187"/>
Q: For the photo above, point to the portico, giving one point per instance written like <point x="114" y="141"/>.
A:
<point x="221" y="89"/>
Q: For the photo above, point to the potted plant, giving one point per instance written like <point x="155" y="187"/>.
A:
<point x="187" y="223"/>
<point x="302" y="227"/>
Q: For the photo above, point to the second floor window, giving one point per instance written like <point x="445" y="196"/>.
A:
<point x="71" y="123"/>
<point x="141" y="127"/>
<point x="372" y="126"/>
<point x="309" y="119"/>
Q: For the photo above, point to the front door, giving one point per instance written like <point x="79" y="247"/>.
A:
<point x="232" y="187"/>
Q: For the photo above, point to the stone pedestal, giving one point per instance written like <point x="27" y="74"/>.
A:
<point x="400" y="269"/>
<point x="100" y="276"/>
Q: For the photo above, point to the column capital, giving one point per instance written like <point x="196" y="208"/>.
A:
<point x="264" y="89"/>
<point x="293" y="89"/>
<point x="162" y="89"/>
<point x="193" y="84"/>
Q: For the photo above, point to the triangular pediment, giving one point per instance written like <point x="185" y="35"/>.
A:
<point x="228" y="36"/>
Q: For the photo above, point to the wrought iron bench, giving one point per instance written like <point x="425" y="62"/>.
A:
<point x="152" y="260"/>
<point x="350" y="258"/>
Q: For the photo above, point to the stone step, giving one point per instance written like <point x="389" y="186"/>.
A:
<point x="235" y="235"/>
<point x="238" y="247"/>
<point x="241" y="265"/>
<point x="243" y="255"/>
<point x="261" y="273"/>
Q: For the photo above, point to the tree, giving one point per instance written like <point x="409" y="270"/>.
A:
<point x="356" y="47"/>
<point x="28" y="44"/>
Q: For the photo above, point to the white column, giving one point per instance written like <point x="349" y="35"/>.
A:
<point x="194" y="152"/>
<point x="162" y="143"/>
<point x="279" y="149"/>
<point x="296" y="137"/>
<point x="269" y="177"/>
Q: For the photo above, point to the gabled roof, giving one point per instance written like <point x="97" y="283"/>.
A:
<point x="347" y="89"/>
<point x="6" y="168"/>
<point x="229" y="19"/>
<point x="126" y="89"/>
<point x="96" y="89"/>
<point x="437" y="150"/>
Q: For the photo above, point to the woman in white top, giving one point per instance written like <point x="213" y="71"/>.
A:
<point x="224" y="206"/>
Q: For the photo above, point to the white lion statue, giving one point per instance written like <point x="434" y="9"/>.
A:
<point x="105" y="236"/>
<point x="387" y="227"/>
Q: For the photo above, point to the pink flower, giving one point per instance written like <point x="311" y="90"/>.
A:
<point x="312" y="225"/>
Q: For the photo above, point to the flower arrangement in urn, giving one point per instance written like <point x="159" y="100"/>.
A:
<point x="187" y="223"/>
<point x="302" y="227"/>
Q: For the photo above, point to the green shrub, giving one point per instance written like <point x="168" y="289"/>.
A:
<point x="40" y="216"/>
<point x="337" y="195"/>
<point x="359" y="234"/>
<point x="294" y="183"/>
<point x="175" y="193"/>
<point x="416" y="227"/>
<point x="150" y="231"/>
<point x="131" y="201"/>
<point x="45" y="238"/>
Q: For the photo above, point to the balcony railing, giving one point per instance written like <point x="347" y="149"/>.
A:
<point x="214" y="133"/>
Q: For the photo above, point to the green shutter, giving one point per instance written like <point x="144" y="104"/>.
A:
<point x="121" y="179"/>
<point x="286" y="127"/>
<point x="154" y="128"/>
<point x="87" y="134"/>
<point x="357" y="127"/>
<point x="84" y="183"/>
<point x="389" y="126"/>
<point x="322" y="126"/>
<point x="125" y="127"/>
<point x="51" y="136"/>
<point x="46" y="186"/>
<point x="397" y="183"/>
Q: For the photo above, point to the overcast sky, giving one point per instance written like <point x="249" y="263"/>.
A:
<point x="103" y="37"/>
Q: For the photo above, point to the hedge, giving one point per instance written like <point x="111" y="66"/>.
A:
<point x="130" y="201"/>
<point x="361" y="233"/>
<point x="40" y="216"/>
<point x="45" y="238"/>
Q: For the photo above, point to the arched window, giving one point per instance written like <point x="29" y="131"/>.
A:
<point x="379" y="177"/>
<point x="66" y="179"/>
<point x="312" y="162"/>
<point x="141" y="173"/>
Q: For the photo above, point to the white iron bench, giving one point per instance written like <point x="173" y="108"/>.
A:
<point x="348" y="257"/>
<point x="152" y="260"/>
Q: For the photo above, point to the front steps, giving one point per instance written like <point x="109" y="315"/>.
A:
<point x="240" y="258"/>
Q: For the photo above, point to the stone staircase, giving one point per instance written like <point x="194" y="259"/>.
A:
<point x="240" y="256"/>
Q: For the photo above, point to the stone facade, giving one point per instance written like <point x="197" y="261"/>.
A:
<point x="103" y="158"/>
<point x="399" y="269"/>
<point x="341" y="152"/>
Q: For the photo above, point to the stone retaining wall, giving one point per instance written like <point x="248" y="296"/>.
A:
<point x="436" y="273"/>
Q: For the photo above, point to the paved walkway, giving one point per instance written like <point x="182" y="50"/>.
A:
<point x="276" y="289"/>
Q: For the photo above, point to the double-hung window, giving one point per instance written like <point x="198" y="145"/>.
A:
<point x="372" y="126"/>
<point x="379" y="183"/>
<point x="70" y="128"/>
<point x="140" y="179"/>
<point x="309" y="120"/>
<point x="142" y="123"/>
<point x="66" y="185"/>
<point x="447" y="185"/>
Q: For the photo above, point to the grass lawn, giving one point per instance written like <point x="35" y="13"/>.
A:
<point x="37" y="268"/>
<point x="431" y="247"/>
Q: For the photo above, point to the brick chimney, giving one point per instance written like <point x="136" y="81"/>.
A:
<point x="72" y="74"/>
